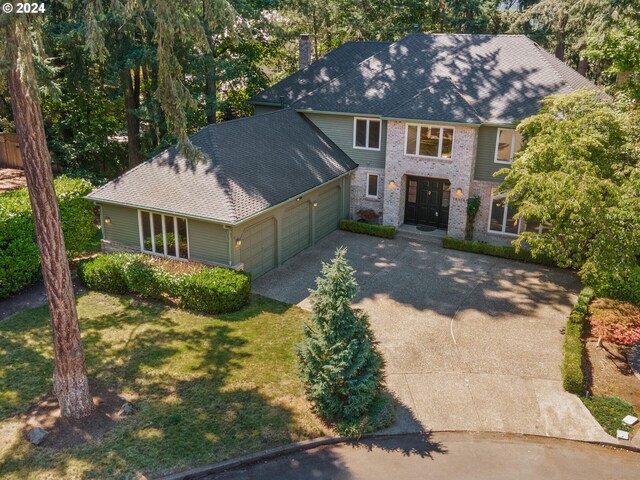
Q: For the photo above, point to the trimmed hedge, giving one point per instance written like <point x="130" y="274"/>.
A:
<point x="19" y="257"/>
<point x="210" y="290"/>
<point x="383" y="231"/>
<point x="496" y="251"/>
<point x="572" y="376"/>
<point x="618" y="286"/>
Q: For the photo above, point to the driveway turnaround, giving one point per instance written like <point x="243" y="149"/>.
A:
<point x="448" y="455"/>
<point x="472" y="342"/>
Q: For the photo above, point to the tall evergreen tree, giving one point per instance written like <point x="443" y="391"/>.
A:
<point x="339" y="363"/>
<point x="69" y="376"/>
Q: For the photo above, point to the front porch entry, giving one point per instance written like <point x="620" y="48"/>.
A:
<point x="427" y="202"/>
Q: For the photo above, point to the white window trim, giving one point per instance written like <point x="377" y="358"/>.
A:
<point x="521" y="222"/>
<point x="164" y="235"/>
<point x="368" y="120"/>
<point x="377" y="186"/>
<point x="513" y="146"/>
<point x="421" y="126"/>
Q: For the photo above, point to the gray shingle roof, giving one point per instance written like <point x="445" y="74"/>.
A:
<point x="255" y="163"/>
<point x="333" y="64"/>
<point x="442" y="77"/>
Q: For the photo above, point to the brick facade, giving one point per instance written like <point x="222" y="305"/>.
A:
<point x="481" y="224"/>
<point x="458" y="171"/>
<point x="359" y="199"/>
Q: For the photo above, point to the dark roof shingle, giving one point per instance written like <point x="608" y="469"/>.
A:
<point x="443" y="77"/>
<point x="254" y="163"/>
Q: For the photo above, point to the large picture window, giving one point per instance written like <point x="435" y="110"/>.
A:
<point x="366" y="133"/>
<point x="507" y="144"/>
<point x="501" y="219"/>
<point x="163" y="235"/>
<point x="428" y="141"/>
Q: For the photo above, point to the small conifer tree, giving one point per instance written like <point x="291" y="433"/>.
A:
<point x="339" y="364"/>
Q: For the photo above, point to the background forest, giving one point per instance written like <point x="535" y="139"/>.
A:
<point x="99" y="61"/>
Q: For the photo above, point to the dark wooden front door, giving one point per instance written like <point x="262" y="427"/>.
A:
<point x="427" y="202"/>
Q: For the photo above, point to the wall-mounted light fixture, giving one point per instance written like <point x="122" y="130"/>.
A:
<point x="107" y="220"/>
<point x="392" y="184"/>
<point x="298" y="199"/>
<point x="459" y="192"/>
<point x="315" y="204"/>
<point x="238" y="242"/>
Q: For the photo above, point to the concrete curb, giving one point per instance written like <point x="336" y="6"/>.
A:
<point x="245" y="460"/>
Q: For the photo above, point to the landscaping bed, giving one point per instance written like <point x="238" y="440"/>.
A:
<point x="496" y="251"/>
<point x="606" y="368"/>
<point x="204" y="388"/>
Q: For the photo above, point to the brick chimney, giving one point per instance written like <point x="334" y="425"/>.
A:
<point x="305" y="50"/>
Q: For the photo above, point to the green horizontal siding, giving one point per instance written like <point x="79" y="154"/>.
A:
<point x="485" y="164"/>
<point x="208" y="242"/>
<point x="124" y="225"/>
<point x="339" y="128"/>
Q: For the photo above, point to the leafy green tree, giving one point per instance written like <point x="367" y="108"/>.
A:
<point x="579" y="172"/>
<point x="339" y="363"/>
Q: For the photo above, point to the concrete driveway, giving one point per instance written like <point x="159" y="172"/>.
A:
<point x="471" y="342"/>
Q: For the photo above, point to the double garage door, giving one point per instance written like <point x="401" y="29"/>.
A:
<point x="259" y="246"/>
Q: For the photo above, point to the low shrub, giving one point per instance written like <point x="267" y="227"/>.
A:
<point x="619" y="286"/>
<point x="571" y="368"/>
<point x="19" y="256"/>
<point x="211" y="290"/>
<point x="496" y="251"/>
<point x="609" y="412"/>
<point x="105" y="272"/>
<point x="215" y="290"/>
<point x="368" y="229"/>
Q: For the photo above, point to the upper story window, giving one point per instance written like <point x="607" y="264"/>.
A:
<point x="163" y="234"/>
<point x="501" y="219"/>
<point x="428" y="141"/>
<point x="366" y="133"/>
<point x="507" y="144"/>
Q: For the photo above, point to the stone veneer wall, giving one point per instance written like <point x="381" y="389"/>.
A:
<point x="109" y="246"/>
<point x="458" y="170"/>
<point x="359" y="200"/>
<point x="481" y="224"/>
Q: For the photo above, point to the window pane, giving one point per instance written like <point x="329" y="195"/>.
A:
<point x="512" y="225"/>
<point x="146" y="231"/>
<point x="518" y="142"/>
<point x="372" y="187"/>
<point x="157" y="233"/>
<point x="447" y="142"/>
<point x="413" y="191"/>
<point x="497" y="214"/>
<point x="412" y="133"/>
<point x="171" y="237"/>
<point x="429" y="139"/>
<point x="182" y="238"/>
<point x="374" y="134"/>
<point x="361" y="133"/>
<point x="532" y="226"/>
<point x="504" y="145"/>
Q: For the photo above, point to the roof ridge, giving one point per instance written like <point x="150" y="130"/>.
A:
<point x="328" y="82"/>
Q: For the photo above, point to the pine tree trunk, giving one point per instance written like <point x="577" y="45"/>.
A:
<point x="69" y="376"/>
<point x="131" y="103"/>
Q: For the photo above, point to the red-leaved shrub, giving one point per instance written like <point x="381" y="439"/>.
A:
<point x="615" y="321"/>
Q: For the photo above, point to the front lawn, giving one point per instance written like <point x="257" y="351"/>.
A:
<point x="205" y="388"/>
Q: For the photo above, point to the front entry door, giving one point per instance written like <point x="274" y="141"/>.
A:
<point x="427" y="202"/>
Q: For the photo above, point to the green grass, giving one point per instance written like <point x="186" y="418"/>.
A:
<point x="207" y="388"/>
<point x="609" y="412"/>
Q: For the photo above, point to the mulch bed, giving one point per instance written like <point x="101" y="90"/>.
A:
<point x="66" y="433"/>
<point x="11" y="179"/>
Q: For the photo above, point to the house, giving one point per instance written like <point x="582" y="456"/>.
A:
<point x="409" y="130"/>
